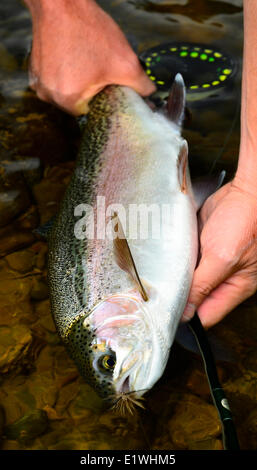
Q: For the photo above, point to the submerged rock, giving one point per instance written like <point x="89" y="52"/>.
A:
<point x="28" y="427"/>
<point x="14" y="197"/>
<point x="86" y="399"/>
<point x="19" y="234"/>
<point x="50" y="190"/>
<point x="249" y="428"/>
<point x="39" y="290"/>
<point x="14" y="346"/>
<point x="194" y="423"/>
<point x="15" y="306"/>
<point x="21" y="261"/>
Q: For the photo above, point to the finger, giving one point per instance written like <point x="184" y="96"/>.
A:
<point x="210" y="273"/>
<point x="224" y="299"/>
<point x="81" y="105"/>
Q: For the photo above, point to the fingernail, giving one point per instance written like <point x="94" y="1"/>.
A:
<point x="188" y="312"/>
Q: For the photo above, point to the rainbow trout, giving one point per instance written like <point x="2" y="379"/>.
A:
<point x="118" y="291"/>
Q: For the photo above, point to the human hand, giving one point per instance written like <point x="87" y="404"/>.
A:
<point x="77" y="50"/>
<point x="227" y="271"/>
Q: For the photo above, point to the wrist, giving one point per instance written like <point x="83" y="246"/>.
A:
<point x="39" y="8"/>
<point x="246" y="173"/>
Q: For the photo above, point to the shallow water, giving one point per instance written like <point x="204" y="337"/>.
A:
<point x="45" y="404"/>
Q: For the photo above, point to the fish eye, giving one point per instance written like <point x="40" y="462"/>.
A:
<point x="107" y="362"/>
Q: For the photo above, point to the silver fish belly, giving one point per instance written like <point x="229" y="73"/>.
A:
<point x="132" y="161"/>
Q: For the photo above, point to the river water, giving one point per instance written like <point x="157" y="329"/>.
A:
<point x="44" y="403"/>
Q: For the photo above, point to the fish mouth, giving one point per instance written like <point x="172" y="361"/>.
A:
<point x="126" y="401"/>
<point x="125" y="383"/>
<point x="124" y="388"/>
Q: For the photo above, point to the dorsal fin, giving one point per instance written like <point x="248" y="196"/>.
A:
<point x="176" y="100"/>
<point x="123" y="255"/>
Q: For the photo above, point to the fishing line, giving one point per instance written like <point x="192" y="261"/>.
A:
<point x="230" y="440"/>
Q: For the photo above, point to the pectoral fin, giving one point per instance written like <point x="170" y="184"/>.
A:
<point x="182" y="165"/>
<point x="123" y="255"/>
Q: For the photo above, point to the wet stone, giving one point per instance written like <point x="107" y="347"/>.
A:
<point x="14" y="197"/>
<point x="124" y="429"/>
<point x="43" y="309"/>
<point x="48" y="324"/>
<point x="21" y="261"/>
<point x="198" y="384"/>
<point x="66" y="395"/>
<point x="39" y="290"/>
<point x="244" y="386"/>
<point x="41" y="254"/>
<point x="43" y="388"/>
<point x="28" y="427"/>
<point x="194" y="421"/>
<point x="14" y="346"/>
<point x="14" y="301"/>
<point x="16" y="399"/>
<point x="50" y="190"/>
<point x="86" y="399"/>
<point x="19" y="234"/>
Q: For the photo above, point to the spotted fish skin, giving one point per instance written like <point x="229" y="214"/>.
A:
<point x="68" y="287"/>
<point x="129" y="155"/>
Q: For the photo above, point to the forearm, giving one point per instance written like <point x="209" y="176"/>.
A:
<point x="38" y="8"/>
<point x="247" y="164"/>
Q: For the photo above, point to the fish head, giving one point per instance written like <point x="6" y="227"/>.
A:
<point x="125" y="353"/>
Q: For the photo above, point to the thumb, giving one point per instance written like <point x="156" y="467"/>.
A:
<point x="142" y="85"/>
<point x="135" y="77"/>
<point x="209" y="274"/>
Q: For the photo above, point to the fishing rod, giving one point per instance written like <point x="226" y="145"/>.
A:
<point x="230" y="440"/>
